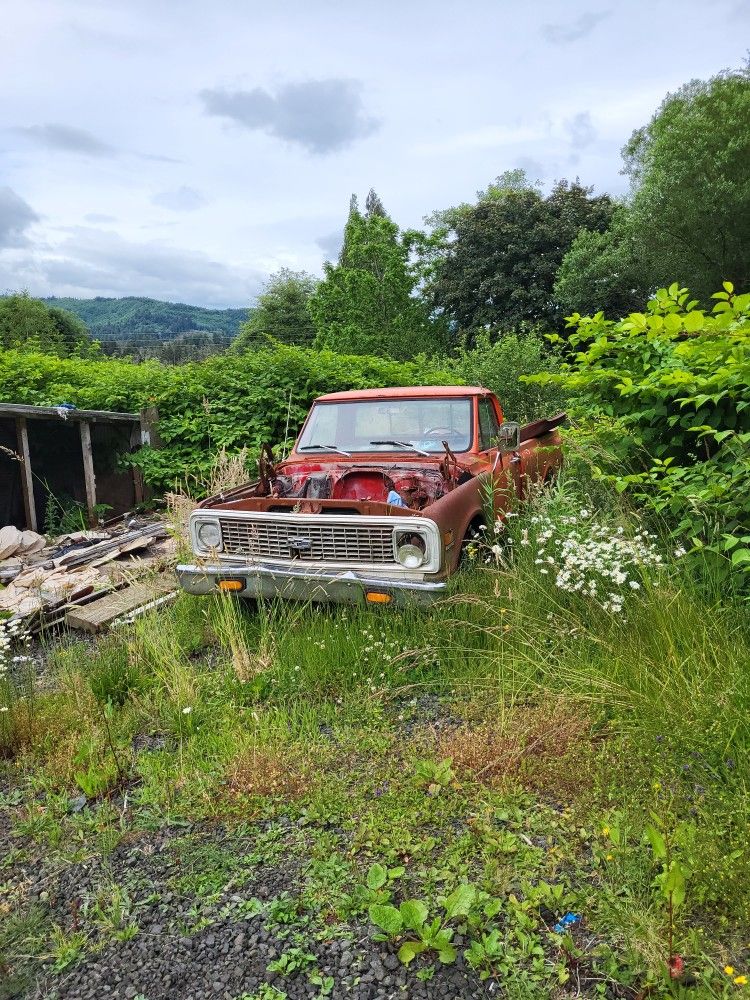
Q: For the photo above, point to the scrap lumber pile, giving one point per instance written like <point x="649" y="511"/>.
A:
<point x="48" y="581"/>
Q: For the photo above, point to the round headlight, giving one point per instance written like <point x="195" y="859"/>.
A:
<point x="209" y="534"/>
<point x="411" y="551"/>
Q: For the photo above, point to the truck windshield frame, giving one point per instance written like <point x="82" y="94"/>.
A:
<point x="352" y="426"/>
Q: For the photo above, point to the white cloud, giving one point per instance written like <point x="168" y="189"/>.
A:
<point x="67" y="139"/>
<point x="573" y="31"/>
<point x="95" y="261"/>
<point x="581" y="130"/>
<point x="322" y="116"/>
<point x="486" y="137"/>
<point x="16" y="216"/>
<point x="181" y="199"/>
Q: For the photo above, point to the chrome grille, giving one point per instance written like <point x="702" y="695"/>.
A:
<point x="329" y="542"/>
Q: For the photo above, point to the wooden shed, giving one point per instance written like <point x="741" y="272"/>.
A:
<point x="52" y="455"/>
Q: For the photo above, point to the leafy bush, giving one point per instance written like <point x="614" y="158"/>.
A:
<point x="678" y="380"/>
<point x="28" y="324"/>
<point x="499" y="366"/>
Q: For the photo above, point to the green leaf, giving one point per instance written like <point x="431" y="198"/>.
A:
<point x="447" y="954"/>
<point x="442" y="938"/>
<point x="413" y="912"/>
<point x="460" y="901"/>
<point x="674" y="885"/>
<point x="740" y="556"/>
<point x="658" y="844"/>
<point x="693" y="321"/>
<point x="386" y="917"/>
<point x="377" y="876"/>
<point x="409" y="951"/>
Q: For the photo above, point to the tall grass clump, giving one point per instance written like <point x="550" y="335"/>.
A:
<point x="596" y="607"/>
<point x="17" y="690"/>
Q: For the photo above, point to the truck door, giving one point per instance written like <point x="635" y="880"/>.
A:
<point x="506" y="469"/>
<point x="488" y="430"/>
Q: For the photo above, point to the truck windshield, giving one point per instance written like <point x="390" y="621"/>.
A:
<point x="389" y="425"/>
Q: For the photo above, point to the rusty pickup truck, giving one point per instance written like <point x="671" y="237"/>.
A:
<point x="377" y="498"/>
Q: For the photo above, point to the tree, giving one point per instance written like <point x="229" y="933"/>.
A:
<point x="497" y="261"/>
<point x="373" y="205"/>
<point x="691" y="184"/>
<point x="71" y="331"/>
<point x="282" y="312"/>
<point x="606" y="271"/>
<point x="366" y="303"/>
<point x="27" y="324"/>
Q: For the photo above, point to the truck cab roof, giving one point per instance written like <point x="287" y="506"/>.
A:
<point x="405" y="392"/>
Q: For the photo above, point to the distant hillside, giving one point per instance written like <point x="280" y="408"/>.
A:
<point x="147" y="320"/>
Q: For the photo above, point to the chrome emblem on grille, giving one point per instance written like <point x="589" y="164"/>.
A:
<point x="298" y="545"/>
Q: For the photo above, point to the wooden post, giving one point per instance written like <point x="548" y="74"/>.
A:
<point x="149" y="419"/>
<point x="145" y="435"/>
<point x="88" y="471"/>
<point x="27" y="483"/>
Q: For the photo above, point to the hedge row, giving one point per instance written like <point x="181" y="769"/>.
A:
<point x="226" y="401"/>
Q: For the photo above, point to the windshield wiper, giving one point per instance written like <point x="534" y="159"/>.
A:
<point x="404" y="444"/>
<point x="325" y="447"/>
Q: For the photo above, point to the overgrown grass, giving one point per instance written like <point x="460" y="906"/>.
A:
<point x="518" y="735"/>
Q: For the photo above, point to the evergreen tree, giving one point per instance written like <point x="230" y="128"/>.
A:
<point x="373" y="205"/>
<point x="366" y="303"/>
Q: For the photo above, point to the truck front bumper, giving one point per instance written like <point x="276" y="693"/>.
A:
<point x="308" y="584"/>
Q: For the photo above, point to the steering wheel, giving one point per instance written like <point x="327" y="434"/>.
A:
<point x="434" y="431"/>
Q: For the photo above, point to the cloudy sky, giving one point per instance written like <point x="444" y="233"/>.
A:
<point x="185" y="150"/>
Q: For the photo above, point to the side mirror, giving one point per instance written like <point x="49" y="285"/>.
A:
<point x="508" y="436"/>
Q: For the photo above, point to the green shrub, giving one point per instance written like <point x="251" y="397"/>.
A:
<point x="499" y="366"/>
<point x="678" y="381"/>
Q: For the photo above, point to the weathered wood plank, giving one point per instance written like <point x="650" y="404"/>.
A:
<point x="78" y="557"/>
<point x="100" y="614"/>
<point x="88" y="471"/>
<point x="60" y="413"/>
<point x="27" y="482"/>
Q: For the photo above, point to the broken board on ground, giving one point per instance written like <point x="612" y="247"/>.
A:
<point x="102" y="613"/>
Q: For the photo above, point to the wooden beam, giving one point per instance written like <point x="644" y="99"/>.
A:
<point x="61" y="413"/>
<point x="27" y="482"/>
<point x="88" y="471"/>
<point x="148" y="431"/>
<point x="149" y="421"/>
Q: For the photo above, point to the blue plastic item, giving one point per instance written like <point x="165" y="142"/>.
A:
<point x="565" y="922"/>
<point x="395" y="499"/>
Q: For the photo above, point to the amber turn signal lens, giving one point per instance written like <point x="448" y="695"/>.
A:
<point x="375" y="597"/>
<point x="231" y="584"/>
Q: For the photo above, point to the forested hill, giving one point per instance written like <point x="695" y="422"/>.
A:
<point x="141" y="319"/>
